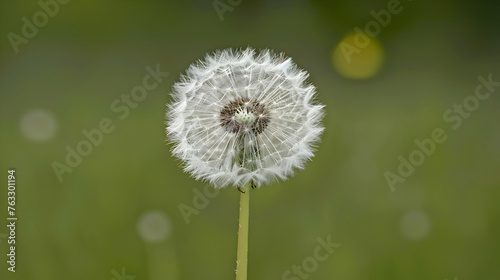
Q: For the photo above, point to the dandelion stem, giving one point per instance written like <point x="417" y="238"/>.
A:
<point x="242" y="253"/>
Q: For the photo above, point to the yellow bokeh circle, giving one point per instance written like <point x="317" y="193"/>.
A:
<point x="358" y="55"/>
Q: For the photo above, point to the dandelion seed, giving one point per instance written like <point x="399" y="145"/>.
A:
<point x="239" y="117"/>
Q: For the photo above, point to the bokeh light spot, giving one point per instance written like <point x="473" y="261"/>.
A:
<point x="415" y="226"/>
<point x="38" y="125"/>
<point x="153" y="226"/>
<point x="358" y="56"/>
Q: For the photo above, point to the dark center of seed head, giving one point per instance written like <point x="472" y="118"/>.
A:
<point x="244" y="115"/>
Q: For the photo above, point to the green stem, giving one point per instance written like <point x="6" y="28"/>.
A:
<point x="242" y="254"/>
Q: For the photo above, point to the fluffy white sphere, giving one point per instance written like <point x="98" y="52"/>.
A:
<point x="238" y="117"/>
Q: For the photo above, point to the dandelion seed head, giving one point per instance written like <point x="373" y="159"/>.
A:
<point x="239" y="116"/>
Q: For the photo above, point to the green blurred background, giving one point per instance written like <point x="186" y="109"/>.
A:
<point x="117" y="213"/>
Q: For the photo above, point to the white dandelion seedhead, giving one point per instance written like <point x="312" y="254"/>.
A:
<point x="238" y="117"/>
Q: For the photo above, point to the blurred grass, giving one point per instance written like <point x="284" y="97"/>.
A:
<point x="94" y="51"/>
